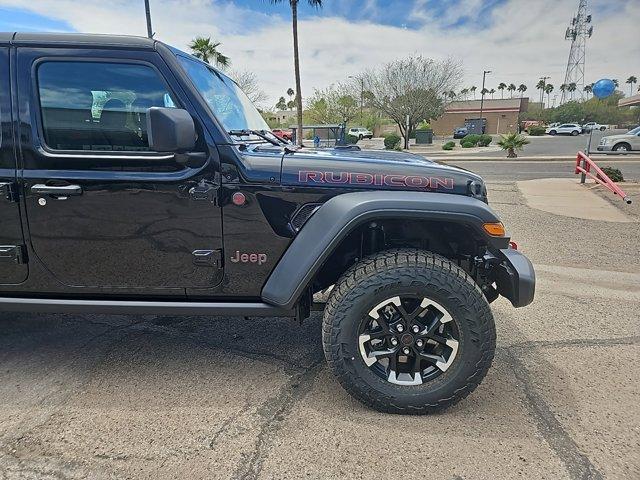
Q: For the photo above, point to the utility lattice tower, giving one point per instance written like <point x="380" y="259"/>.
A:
<point x="578" y="31"/>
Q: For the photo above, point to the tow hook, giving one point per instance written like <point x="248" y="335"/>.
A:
<point x="484" y="267"/>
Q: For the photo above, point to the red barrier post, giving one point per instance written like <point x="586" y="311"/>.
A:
<point x="584" y="165"/>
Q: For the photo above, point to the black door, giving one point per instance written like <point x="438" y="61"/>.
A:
<point x="13" y="266"/>
<point x="104" y="212"/>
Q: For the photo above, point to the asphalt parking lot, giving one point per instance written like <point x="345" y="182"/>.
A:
<point x="167" y="397"/>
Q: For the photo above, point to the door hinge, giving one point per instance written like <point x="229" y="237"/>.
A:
<point x="13" y="253"/>
<point x="207" y="258"/>
<point x="9" y="190"/>
<point x="204" y="191"/>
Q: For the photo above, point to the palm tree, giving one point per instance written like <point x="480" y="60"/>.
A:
<point x="464" y="92"/>
<point x="484" y="91"/>
<point x="290" y="93"/>
<point x="473" y="90"/>
<point x="512" y="142"/>
<point x="511" y="88"/>
<point x="616" y="83"/>
<point x="501" y="87"/>
<point x="492" y="91"/>
<point x="282" y="104"/>
<point x="452" y="94"/>
<point x="296" y="57"/>
<point x="540" y="86"/>
<point x="631" y="80"/>
<point x="572" y="88"/>
<point x="548" y="89"/>
<point x="588" y="89"/>
<point x="207" y="51"/>
<point x="522" y="88"/>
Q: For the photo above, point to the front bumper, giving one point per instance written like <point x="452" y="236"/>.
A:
<point x="515" y="277"/>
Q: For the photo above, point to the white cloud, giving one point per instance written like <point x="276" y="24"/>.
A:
<point x="524" y="41"/>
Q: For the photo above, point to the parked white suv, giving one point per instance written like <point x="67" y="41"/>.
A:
<point x="566" y="129"/>
<point x="621" y="143"/>
<point x="360" y="133"/>
<point x="587" y="127"/>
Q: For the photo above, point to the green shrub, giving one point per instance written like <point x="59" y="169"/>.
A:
<point x="484" y="140"/>
<point x="350" y="139"/>
<point x="472" y="138"/>
<point x="536" y="130"/>
<point x="424" y="125"/>
<point x="392" y="141"/>
<point x="613" y="173"/>
<point x="468" y="144"/>
<point x="449" y="146"/>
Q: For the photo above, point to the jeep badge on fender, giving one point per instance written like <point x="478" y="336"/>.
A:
<point x="258" y="258"/>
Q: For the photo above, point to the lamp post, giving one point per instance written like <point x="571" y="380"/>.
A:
<point x="484" y="76"/>
<point x="147" y="11"/>
<point x="361" y="92"/>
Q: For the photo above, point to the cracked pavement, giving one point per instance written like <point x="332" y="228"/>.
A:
<point x="110" y="397"/>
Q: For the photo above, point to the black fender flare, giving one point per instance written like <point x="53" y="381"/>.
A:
<point x="341" y="214"/>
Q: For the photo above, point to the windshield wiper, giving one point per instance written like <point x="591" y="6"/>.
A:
<point x="258" y="133"/>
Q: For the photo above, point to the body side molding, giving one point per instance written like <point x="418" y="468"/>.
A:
<point x="341" y="214"/>
<point x="130" y="307"/>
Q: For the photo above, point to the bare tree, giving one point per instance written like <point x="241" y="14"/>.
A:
<point x="335" y="104"/>
<point x="248" y="83"/>
<point x="411" y="88"/>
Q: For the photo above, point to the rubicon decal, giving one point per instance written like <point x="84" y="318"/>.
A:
<point x="380" y="179"/>
<point x="258" y="258"/>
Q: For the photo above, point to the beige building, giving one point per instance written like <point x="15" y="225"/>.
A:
<point x="283" y="117"/>
<point x="501" y="115"/>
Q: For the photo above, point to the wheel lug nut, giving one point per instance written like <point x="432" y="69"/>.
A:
<point x="400" y="328"/>
<point x="394" y="341"/>
<point x="406" y="350"/>
<point x="419" y="343"/>
<point x="415" y="329"/>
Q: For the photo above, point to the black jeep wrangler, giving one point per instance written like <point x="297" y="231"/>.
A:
<point x="136" y="179"/>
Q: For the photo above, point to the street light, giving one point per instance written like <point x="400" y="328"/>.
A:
<point x="484" y="75"/>
<point x="361" y="92"/>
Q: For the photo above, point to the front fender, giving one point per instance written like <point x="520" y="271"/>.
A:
<point x="324" y="231"/>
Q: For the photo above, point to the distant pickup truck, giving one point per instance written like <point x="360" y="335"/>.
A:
<point x="587" y="127"/>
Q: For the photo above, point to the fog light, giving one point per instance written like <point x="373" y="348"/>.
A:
<point x="494" y="229"/>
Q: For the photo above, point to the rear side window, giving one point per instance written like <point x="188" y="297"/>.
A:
<point x="98" y="106"/>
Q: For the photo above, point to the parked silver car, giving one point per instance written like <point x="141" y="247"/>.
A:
<point x="625" y="142"/>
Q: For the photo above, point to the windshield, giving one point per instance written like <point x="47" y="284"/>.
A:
<point x="229" y="104"/>
<point x="635" y="131"/>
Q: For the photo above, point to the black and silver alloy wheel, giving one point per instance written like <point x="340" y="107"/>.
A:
<point x="408" y="340"/>
<point x="408" y="331"/>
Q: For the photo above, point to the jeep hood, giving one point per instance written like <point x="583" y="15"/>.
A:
<point x="373" y="169"/>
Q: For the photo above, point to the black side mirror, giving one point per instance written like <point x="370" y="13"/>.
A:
<point x="170" y="130"/>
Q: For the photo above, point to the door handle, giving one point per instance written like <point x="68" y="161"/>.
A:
<point x="63" y="191"/>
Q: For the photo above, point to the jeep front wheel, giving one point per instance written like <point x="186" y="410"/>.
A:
<point x="407" y="331"/>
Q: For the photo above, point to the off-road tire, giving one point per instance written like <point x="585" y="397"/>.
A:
<point x="384" y="275"/>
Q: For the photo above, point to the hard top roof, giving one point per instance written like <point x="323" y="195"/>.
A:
<point x="75" y="39"/>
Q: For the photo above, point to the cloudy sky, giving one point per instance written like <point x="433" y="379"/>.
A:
<point x="519" y="40"/>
